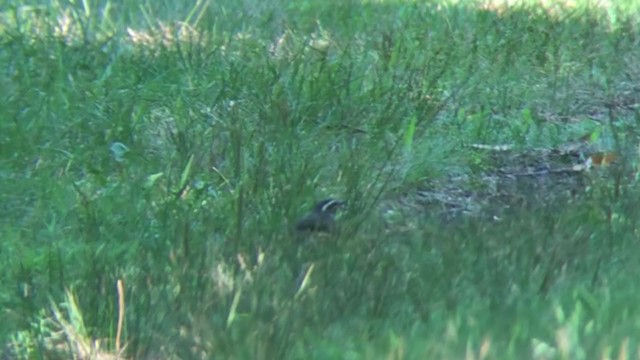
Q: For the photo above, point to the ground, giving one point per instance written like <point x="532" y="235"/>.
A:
<point x="487" y="152"/>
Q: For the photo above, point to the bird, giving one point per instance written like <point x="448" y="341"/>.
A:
<point x="309" y="230"/>
<point x="321" y="218"/>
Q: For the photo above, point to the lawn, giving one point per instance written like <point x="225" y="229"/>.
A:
<point x="155" y="157"/>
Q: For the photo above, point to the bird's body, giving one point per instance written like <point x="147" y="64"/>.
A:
<point x="321" y="218"/>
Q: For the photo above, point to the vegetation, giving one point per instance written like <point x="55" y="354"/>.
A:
<point x="488" y="155"/>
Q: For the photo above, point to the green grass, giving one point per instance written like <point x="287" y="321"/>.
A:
<point x="174" y="146"/>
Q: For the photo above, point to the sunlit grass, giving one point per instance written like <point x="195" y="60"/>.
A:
<point x="173" y="147"/>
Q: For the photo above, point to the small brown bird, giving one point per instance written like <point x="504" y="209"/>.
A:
<point x="321" y="218"/>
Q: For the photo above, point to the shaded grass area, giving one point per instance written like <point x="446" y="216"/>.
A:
<point x="176" y="156"/>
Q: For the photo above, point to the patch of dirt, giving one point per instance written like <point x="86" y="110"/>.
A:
<point x="512" y="179"/>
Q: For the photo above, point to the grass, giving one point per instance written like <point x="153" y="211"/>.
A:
<point x="173" y="146"/>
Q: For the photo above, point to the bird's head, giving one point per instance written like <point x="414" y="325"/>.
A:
<point x="321" y="217"/>
<point x="328" y="206"/>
